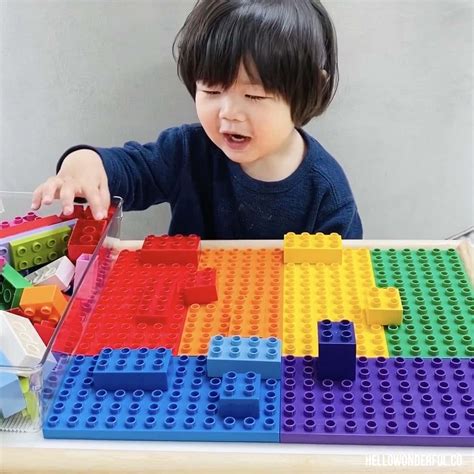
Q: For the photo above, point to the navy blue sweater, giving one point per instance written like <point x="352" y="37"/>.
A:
<point x="213" y="197"/>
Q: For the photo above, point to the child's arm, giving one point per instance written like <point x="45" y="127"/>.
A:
<point x="142" y="175"/>
<point x="344" y="220"/>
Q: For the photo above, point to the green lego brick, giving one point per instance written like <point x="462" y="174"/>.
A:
<point x="39" y="249"/>
<point x="437" y="299"/>
<point x="11" y="287"/>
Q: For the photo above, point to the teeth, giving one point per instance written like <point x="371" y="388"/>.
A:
<point x="237" y="138"/>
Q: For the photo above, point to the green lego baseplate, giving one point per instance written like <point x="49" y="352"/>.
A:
<point x="437" y="299"/>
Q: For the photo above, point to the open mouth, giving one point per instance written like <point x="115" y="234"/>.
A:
<point x="236" y="138"/>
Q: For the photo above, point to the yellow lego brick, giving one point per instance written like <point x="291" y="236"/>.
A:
<point x="384" y="306"/>
<point x="31" y="400"/>
<point x="316" y="291"/>
<point x="249" y="298"/>
<point x="312" y="248"/>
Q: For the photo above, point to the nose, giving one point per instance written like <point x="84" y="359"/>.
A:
<point x="231" y="108"/>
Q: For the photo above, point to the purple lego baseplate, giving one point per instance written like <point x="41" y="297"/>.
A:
<point x="397" y="401"/>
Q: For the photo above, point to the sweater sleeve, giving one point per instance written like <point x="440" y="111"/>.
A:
<point x="142" y="175"/>
<point x="344" y="220"/>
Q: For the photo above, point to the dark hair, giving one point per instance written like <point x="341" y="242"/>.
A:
<point x="285" y="44"/>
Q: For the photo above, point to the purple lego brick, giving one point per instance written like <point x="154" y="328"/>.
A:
<point x="397" y="401"/>
<point x="30" y="216"/>
<point x="336" y="350"/>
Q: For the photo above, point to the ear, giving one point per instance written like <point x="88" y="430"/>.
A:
<point x="324" y="75"/>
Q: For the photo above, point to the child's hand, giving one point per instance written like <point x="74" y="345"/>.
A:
<point x="82" y="174"/>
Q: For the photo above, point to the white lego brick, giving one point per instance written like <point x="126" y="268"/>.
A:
<point x="21" y="344"/>
<point x="59" y="273"/>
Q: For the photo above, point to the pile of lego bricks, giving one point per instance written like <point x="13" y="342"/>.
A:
<point x="312" y="343"/>
<point x="42" y="261"/>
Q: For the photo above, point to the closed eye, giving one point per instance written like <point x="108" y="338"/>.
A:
<point x="255" y="97"/>
<point x="212" y="92"/>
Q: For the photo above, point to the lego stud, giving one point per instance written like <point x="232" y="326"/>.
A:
<point x="235" y="341"/>
<point x="235" y="352"/>
<point x="217" y="340"/>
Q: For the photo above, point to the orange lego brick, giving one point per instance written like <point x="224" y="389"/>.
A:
<point x="43" y="303"/>
<point x="312" y="248"/>
<point x="249" y="282"/>
<point x="384" y="306"/>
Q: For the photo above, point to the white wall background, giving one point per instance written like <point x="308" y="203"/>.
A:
<point x="101" y="72"/>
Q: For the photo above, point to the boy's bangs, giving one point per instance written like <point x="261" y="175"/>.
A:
<point x="232" y="44"/>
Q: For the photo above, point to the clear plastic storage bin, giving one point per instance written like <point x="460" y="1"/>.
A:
<point x="15" y="205"/>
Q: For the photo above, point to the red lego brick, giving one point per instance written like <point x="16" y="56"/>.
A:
<point x="77" y="213"/>
<point x="201" y="287"/>
<point x="171" y="249"/>
<point x="18" y="311"/>
<point x="29" y="225"/>
<point x="85" y="237"/>
<point x="45" y="331"/>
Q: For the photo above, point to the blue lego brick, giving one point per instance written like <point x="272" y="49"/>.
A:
<point x="244" y="354"/>
<point x="336" y="349"/>
<point x="11" y="397"/>
<point x="186" y="412"/>
<point x="239" y="395"/>
<point x="132" y="369"/>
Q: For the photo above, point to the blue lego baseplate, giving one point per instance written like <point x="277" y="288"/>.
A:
<point x="187" y="411"/>
<point x="244" y="354"/>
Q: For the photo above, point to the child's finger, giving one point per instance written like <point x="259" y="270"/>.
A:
<point x="50" y="189"/>
<point x="104" y="197"/>
<point x="37" y="198"/>
<point x="66" y="195"/>
<point x="92" y="194"/>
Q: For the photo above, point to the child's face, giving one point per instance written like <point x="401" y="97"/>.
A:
<point x="246" y="123"/>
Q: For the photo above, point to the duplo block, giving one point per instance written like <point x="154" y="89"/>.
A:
<point x="384" y="306"/>
<point x="29" y="225"/>
<point x="43" y="303"/>
<point x="39" y="249"/>
<point x="392" y="401"/>
<point x="17" y="220"/>
<point x="5" y="241"/>
<point x="127" y="369"/>
<point x="186" y="412"/>
<point x="12" y="285"/>
<point x="3" y="261"/>
<point x="170" y="249"/>
<point x="85" y="237"/>
<point x="59" y="273"/>
<point x="21" y="344"/>
<point x="201" y="287"/>
<point x="11" y="396"/>
<point x="337" y="350"/>
<point x="312" y="248"/>
<point x="243" y="354"/>
<point x="45" y="330"/>
<point x="31" y="399"/>
<point x="239" y="395"/>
